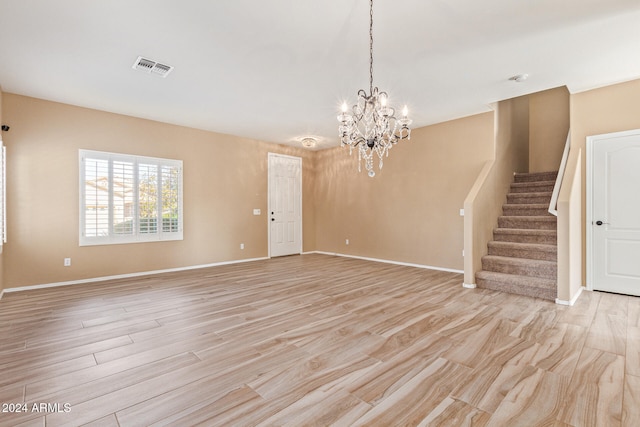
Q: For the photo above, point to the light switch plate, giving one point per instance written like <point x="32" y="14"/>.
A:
<point x="256" y="211"/>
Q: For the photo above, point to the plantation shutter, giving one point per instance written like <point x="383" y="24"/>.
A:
<point x="126" y="199"/>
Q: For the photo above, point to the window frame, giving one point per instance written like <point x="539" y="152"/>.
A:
<point x="136" y="236"/>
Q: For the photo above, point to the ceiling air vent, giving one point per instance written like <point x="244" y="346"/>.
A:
<point x="152" y="67"/>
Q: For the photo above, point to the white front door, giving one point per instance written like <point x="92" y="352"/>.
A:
<point x="285" y="205"/>
<point x="615" y="212"/>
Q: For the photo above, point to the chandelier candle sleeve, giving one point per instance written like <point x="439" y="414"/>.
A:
<point x="372" y="127"/>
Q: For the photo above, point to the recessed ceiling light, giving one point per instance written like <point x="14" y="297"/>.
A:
<point x="519" y="78"/>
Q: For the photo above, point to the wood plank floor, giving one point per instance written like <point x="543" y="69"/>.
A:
<point x="315" y="340"/>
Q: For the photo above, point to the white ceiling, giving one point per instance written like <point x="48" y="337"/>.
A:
<point x="277" y="70"/>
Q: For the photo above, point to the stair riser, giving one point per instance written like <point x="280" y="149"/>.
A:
<point x="533" y="188"/>
<point x="547" y="294"/>
<point x="517" y="210"/>
<point x="527" y="198"/>
<point x="525" y="238"/>
<point x="548" y="272"/>
<point x="528" y="223"/>
<point x="523" y="253"/>
<point x="533" y="177"/>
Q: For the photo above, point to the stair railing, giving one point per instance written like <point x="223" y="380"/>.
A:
<point x="553" y="204"/>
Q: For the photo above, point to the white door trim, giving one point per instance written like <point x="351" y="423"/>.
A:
<point x="591" y="141"/>
<point x="269" y="186"/>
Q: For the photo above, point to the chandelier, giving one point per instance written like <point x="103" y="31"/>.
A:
<point x="372" y="127"/>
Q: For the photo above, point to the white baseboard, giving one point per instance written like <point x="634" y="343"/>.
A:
<point x="573" y="300"/>
<point x="469" y="285"/>
<point x="195" y="267"/>
<point x="126" y="276"/>
<point x="386" y="261"/>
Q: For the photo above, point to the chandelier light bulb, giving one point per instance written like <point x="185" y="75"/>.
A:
<point x="344" y="107"/>
<point x="383" y="100"/>
<point x="405" y="111"/>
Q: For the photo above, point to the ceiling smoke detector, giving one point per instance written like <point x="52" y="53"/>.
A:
<point x="519" y="78"/>
<point x="150" y="66"/>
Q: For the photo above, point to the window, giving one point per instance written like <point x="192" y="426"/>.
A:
<point x="129" y="199"/>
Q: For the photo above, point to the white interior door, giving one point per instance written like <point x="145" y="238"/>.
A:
<point x="285" y="205"/>
<point x="615" y="212"/>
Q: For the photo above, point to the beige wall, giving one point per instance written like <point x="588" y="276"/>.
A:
<point x="548" y="128"/>
<point x="609" y="109"/>
<point x="225" y="177"/>
<point x="410" y="211"/>
<point x="483" y="204"/>
<point x="512" y="135"/>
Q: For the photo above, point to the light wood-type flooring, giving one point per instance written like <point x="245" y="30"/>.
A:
<point x="316" y="340"/>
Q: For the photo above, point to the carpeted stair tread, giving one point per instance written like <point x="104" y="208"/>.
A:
<point x="526" y="209"/>
<point x="532" y="187"/>
<point x="524" y="250"/>
<point x="515" y="284"/>
<point x="536" y="176"/>
<point x="529" y="198"/>
<point x="528" y="222"/>
<point x="525" y="236"/>
<point x="520" y="266"/>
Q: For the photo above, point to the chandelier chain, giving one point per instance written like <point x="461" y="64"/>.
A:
<point x="370" y="46"/>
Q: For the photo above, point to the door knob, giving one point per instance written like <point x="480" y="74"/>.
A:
<point x="600" y="223"/>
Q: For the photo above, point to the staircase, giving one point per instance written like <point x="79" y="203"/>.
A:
<point x="522" y="258"/>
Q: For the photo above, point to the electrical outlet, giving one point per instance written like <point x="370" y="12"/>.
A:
<point x="461" y="212"/>
<point x="241" y="245"/>
<point x="67" y="262"/>
<point x="346" y="241"/>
